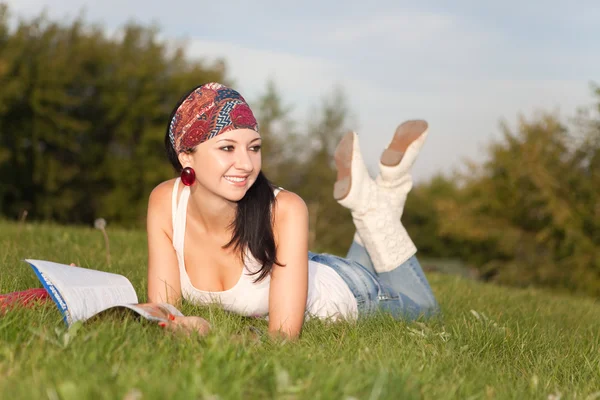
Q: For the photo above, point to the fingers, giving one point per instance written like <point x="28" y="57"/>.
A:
<point x="171" y="324"/>
<point x="186" y="325"/>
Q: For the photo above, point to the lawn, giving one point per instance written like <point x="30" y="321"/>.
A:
<point x="491" y="342"/>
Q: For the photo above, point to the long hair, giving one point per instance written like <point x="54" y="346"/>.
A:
<point x="252" y="226"/>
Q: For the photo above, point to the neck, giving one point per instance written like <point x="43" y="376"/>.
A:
<point x="215" y="214"/>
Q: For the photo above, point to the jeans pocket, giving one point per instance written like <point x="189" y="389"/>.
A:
<point x="397" y="304"/>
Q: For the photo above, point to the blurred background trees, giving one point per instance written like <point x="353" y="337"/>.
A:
<point x="529" y="214"/>
<point x="83" y="116"/>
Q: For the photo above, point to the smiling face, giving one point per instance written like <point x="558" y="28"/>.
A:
<point x="228" y="164"/>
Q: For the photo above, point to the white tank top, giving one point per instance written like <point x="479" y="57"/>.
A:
<point x="328" y="294"/>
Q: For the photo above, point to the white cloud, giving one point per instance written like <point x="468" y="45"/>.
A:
<point x="406" y="29"/>
<point x="300" y="77"/>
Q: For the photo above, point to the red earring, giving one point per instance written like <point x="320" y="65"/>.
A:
<point x="188" y="176"/>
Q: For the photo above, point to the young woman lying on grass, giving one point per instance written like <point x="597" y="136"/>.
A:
<point x="222" y="233"/>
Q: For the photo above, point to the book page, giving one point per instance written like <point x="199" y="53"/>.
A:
<point x="83" y="292"/>
<point x="154" y="311"/>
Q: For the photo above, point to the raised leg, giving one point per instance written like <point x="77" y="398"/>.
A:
<point x="407" y="280"/>
<point x="377" y="207"/>
<point x="358" y="253"/>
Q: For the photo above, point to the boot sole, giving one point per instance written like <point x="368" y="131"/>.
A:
<point x="405" y="134"/>
<point x="343" y="163"/>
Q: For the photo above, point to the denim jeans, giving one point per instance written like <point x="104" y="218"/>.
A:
<point x="403" y="292"/>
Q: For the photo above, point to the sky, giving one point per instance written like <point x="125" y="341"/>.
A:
<point x="463" y="67"/>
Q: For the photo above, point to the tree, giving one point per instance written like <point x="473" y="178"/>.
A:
<point x="281" y="144"/>
<point x="422" y="220"/>
<point x="83" y="117"/>
<point x="332" y="228"/>
<point x="529" y="214"/>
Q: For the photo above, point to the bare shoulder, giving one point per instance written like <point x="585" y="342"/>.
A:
<point x="288" y="205"/>
<point x="159" y="207"/>
<point x="160" y="197"/>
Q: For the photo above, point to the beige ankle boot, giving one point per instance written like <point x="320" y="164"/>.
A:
<point x="353" y="185"/>
<point x="397" y="160"/>
<point x="373" y="209"/>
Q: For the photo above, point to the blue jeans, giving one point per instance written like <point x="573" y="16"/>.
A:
<point x="402" y="292"/>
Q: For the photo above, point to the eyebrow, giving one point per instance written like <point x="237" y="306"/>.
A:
<point x="233" y="141"/>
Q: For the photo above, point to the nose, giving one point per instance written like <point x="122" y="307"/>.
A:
<point x="243" y="161"/>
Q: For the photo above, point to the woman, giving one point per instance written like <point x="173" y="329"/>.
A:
<point x="222" y="233"/>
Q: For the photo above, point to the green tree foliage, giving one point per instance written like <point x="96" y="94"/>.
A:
<point x="422" y="220"/>
<point x="83" y="117"/>
<point x="332" y="228"/>
<point x="281" y="144"/>
<point x="302" y="162"/>
<point x="531" y="214"/>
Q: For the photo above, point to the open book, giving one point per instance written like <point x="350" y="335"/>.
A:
<point x="81" y="293"/>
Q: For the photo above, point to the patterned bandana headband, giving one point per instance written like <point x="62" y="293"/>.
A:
<point x="208" y="111"/>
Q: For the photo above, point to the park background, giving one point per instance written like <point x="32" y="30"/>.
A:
<point x="512" y="199"/>
<point x="505" y="209"/>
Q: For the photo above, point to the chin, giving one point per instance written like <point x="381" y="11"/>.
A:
<point x="234" y="195"/>
<point x="234" y="198"/>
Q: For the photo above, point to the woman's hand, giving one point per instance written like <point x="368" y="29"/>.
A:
<point x="187" y="325"/>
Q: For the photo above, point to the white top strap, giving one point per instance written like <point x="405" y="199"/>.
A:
<point x="179" y="219"/>
<point x="174" y="201"/>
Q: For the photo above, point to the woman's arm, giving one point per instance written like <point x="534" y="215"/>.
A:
<point x="163" y="270"/>
<point x="289" y="283"/>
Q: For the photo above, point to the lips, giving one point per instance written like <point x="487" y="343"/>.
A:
<point x="237" y="180"/>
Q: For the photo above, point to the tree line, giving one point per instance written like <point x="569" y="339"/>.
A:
<point x="83" y="116"/>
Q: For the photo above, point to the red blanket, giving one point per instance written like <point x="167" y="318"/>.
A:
<point x="23" y="298"/>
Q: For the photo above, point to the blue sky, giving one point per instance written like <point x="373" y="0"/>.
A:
<point x="461" y="65"/>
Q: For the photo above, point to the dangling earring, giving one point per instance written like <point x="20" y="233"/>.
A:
<point x="188" y="176"/>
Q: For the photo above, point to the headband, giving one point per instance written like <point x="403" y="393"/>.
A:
<point x="208" y="111"/>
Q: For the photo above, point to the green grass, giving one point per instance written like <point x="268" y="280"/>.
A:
<point x="492" y="342"/>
